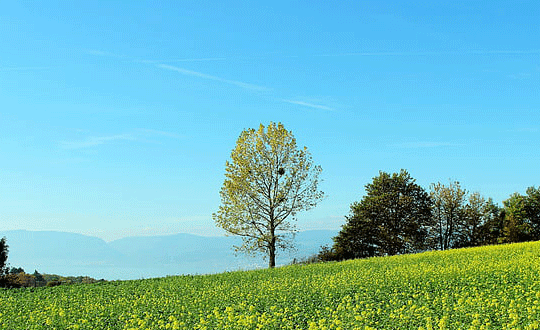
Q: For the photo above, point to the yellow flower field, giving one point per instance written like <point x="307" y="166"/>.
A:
<point x="493" y="287"/>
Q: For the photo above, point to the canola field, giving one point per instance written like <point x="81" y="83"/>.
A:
<point x="494" y="287"/>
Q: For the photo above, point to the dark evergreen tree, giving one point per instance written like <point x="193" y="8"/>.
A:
<point x="491" y="230"/>
<point x="532" y="211"/>
<point x="39" y="280"/>
<point x="392" y="218"/>
<point x="522" y="217"/>
<point x="3" y="256"/>
<point x="516" y="227"/>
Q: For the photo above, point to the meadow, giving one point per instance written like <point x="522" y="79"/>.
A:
<point x="491" y="287"/>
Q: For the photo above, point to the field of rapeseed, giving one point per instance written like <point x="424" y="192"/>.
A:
<point x="494" y="287"/>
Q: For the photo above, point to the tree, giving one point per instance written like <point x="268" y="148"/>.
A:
<point x="448" y="209"/>
<point x="16" y="270"/>
<point x="522" y="220"/>
<point x="532" y="211"/>
<point x="268" y="181"/>
<point x="4" y="249"/>
<point x="391" y="219"/>
<point x="480" y="224"/>
<point x="39" y="280"/>
<point x="516" y="228"/>
<point x="492" y="229"/>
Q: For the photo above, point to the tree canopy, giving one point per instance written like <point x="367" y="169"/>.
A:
<point x="268" y="181"/>
<point x="448" y="208"/>
<point x="398" y="216"/>
<point x="3" y="256"/>
<point x="391" y="219"/>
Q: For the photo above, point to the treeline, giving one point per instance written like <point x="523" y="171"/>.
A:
<point x="16" y="277"/>
<point x="398" y="216"/>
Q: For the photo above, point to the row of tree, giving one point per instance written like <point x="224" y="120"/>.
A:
<point x="268" y="180"/>
<point x="16" y="277"/>
<point x="398" y="216"/>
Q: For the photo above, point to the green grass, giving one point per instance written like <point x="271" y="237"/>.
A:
<point x="494" y="287"/>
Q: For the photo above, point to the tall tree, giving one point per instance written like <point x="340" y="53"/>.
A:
<point x="492" y="229"/>
<point x="3" y="256"/>
<point x="268" y="181"/>
<point x="516" y="228"/>
<point x="532" y="211"/>
<point x="391" y="219"/>
<point x="522" y="220"/>
<point x="480" y="223"/>
<point x="448" y="209"/>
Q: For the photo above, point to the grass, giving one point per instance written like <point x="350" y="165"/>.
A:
<point x="492" y="287"/>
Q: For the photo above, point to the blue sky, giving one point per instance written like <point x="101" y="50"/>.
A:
<point x="117" y="117"/>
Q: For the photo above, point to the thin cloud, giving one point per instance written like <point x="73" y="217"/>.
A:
<point x="103" y="53"/>
<point x="310" y="105"/>
<point x="436" y="53"/>
<point x="24" y="68"/>
<point x="138" y="135"/>
<point x="509" y="52"/>
<point x="210" y="77"/>
<point x="520" y="76"/>
<point x="209" y="59"/>
<point x="424" y="144"/>
<point x="95" y="141"/>
<point x="161" y="133"/>
<point x="523" y="130"/>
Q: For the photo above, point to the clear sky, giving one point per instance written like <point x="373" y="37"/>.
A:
<point x="117" y="117"/>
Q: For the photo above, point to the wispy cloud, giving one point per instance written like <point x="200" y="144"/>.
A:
<point x="93" y="141"/>
<point x="309" y="105"/>
<point x="139" y="135"/>
<point x="161" y="133"/>
<point x="523" y="130"/>
<point x="241" y="84"/>
<point x="520" y="76"/>
<point x="424" y="144"/>
<point x="24" y="68"/>
<point x="427" y="53"/>
<point x="103" y="53"/>
<point x="210" y="77"/>
<point x="209" y="59"/>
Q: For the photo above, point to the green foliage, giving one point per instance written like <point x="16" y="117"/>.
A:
<point x="448" y="214"/>
<point x="268" y="181"/>
<point x="53" y="283"/>
<point x="16" y="270"/>
<point x="532" y="210"/>
<point x="483" y="222"/>
<point x="494" y="287"/>
<point x="4" y="249"/>
<point x="522" y="220"/>
<point x="458" y="219"/>
<point x="5" y="277"/>
<point x="391" y="219"/>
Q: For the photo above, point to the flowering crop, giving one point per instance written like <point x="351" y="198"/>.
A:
<point x="493" y="287"/>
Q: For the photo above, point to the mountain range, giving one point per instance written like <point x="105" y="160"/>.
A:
<point x="72" y="254"/>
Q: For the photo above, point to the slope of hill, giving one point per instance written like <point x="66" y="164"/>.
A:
<point x="492" y="287"/>
<point x="140" y="257"/>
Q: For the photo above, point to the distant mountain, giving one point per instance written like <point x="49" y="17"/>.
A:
<point x="51" y="247"/>
<point x="72" y="254"/>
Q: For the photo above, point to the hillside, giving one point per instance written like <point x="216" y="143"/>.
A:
<point x="491" y="287"/>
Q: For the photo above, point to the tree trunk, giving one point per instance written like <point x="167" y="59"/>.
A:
<point x="272" y="261"/>
<point x="272" y="250"/>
